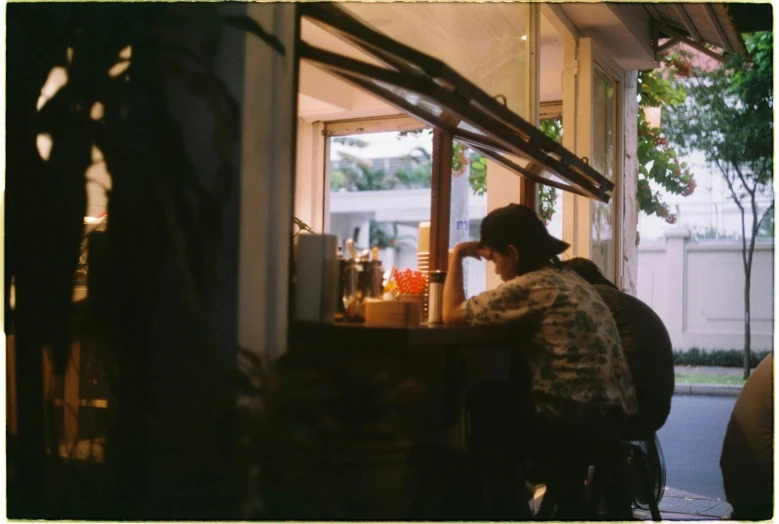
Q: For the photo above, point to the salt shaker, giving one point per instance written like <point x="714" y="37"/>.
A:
<point x="435" y="305"/>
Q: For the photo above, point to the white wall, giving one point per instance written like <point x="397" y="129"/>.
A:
<point x="697" y="288"/>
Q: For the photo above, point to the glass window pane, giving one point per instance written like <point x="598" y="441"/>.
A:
<point x="430" y="104"/>
<point x="603" y="118"/>
<point x="550" y="199"/>
<point x="468" y="208"/>
<point x="380" y="192"/>
<point x="314" y="35"/>
<point x="527" y="168"/>
<point x="494" y="56"/>
<point x="423" y="103"/>
<point x="465" y="126"/>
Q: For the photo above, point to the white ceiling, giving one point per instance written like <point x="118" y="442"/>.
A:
<point x="475" y="39"/>
<point x="550" y="62"/>
<point x="482" y="41"/>
<point x="623" y="30"/>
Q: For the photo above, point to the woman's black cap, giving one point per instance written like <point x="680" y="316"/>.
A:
<point x="519" y="226"/>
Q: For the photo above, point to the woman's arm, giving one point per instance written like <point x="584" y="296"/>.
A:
<point x="454" y="294"/>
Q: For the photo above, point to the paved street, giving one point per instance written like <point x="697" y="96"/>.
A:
<point x="692" y="442"/>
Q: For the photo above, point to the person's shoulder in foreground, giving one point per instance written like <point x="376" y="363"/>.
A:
<point x="747" y="457"/>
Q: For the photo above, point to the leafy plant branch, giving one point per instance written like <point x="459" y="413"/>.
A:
<point x="728" y="115"/>
<point x="659" y="162"/>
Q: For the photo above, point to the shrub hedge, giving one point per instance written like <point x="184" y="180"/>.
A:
<point x="729" y="358"/>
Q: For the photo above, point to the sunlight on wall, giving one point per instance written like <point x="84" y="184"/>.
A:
<point x="57" y="78"/>
<point x="97" y="111"/>
<point x="98" y="184"/>
<point x="122" y="65"/>
<point x="44" y="143"/>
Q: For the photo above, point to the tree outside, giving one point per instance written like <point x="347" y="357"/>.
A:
<point x="659" y="166"/>
<point x="728" y="115"/>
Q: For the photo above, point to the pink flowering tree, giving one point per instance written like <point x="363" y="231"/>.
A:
<point x="657" y="160"/>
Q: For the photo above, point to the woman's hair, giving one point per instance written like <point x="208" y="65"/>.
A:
<point x="519" y="226"/>
<point x="589" y="271"/>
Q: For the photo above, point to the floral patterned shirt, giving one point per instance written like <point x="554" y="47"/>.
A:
<point x="578" y="368"/>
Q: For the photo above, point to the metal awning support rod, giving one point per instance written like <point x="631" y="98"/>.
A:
<point x="717" y="27"/>
<point x="433" y="92"/>
<point x="528" y="173"/>
<point x="667" y="45"/>
<point x="395" y="55"/>
<point x="358" y="73"/>
<point x="687" y="21"/>
<point x="680" y="37"/>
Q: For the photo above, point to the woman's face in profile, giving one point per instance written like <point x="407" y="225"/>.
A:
<point x="505" y="263"/>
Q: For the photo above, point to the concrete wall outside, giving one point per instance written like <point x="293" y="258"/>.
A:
<point x="697" y="288"/>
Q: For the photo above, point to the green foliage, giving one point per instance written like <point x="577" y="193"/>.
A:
<point x="478" y="174"/>
<point x="553" y="128"/>
<point x="350" y="141"/>
<point x="704" y="378"/>
<point x="709" y="232"/>
<point x="729" y="358"/>
<point x="766" y="229"/>
<point x="358" y="174"/>
<point x="728" y="115"/>
<point x="378" y="236"/>
<point x="460" y="159"/>
<point x="547" y="196"/>
<point x="657" y="161"/>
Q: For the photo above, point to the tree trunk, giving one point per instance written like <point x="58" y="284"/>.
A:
<point x="748" y="254"/>
<point x="747" y="321"/>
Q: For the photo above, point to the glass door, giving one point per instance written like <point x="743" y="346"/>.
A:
<point x="604" y="231"/>
<point x="594" y="226"/>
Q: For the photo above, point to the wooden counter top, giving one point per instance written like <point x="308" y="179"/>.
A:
<point x="402" y="338"/>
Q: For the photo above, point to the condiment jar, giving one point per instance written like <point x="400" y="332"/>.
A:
<point x="436" y="297"/>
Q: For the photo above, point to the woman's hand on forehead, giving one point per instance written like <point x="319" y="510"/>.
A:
<point x="472" y="249"/>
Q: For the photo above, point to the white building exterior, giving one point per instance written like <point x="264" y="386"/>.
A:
<point x="709" y="211"/>
<point x="697" y="288"/>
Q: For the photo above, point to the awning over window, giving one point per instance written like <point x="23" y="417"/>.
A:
<point x="436" y="94"/>
<point x="696" y="25"/>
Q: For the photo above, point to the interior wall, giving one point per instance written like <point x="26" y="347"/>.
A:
<point x="551" y="61"/>
<point x="503" y="186"/>
<point x="485" y="42"/>
<point x="98" y="182"/>
<point x="267" y="190"/>
<point x="309" y="174"/>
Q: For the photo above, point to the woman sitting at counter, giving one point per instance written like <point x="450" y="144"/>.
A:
<point x="579" y="376"/>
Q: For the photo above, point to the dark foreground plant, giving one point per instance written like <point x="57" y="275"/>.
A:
<point x="126" y="69"/>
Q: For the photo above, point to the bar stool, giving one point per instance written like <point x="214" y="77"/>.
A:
<point x="643" y="447"/>
<point x="587" y="481"/>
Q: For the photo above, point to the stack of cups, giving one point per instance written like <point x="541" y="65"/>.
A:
<point x="423" y="261"/>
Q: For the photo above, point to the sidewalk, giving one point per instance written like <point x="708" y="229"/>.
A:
<point x="680" y="505"/>
<point x="724" y="390"/>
